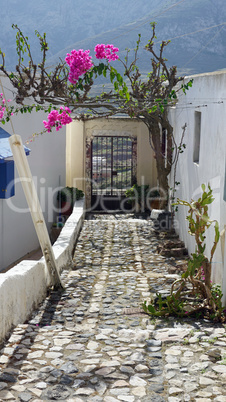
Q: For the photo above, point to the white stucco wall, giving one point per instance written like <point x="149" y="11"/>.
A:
<point x="47" y="163"/>
<point x="24" y="286"/>
<point x="207" y="96"/>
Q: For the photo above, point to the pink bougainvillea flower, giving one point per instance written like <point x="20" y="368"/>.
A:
<point x="202" y="273"/>
<point x="106" y="52"/>
<point x="2" y="111"/>
<point x="2" y="106"/>
<point x="100" y="51"/>
<point x="79" y="62"/>
<point x="58" y="119"/>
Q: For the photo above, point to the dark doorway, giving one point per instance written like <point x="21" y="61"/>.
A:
<point x="111" y="172"/>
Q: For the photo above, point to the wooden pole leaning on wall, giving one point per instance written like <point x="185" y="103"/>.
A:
<point x="35" y="208"/>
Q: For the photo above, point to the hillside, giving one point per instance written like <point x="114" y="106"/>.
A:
<point x="69" y="21"/>
<point x="82" y="24"/>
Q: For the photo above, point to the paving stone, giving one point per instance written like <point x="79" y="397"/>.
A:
<point x="69" y="368"/>
<point x="137" y="381"/>
<point x="220" y="368"/>
<point x="91" y="342"/>
<point x="6" y="395"/>
<point x="4" y="359"/>
<point x="3" y="385"/>
<point x="105" y="371"/>
<point x="120" y="383"/>
<point x="58" y="392"/>
<point x="120" y="391"/>
<point x="4" y="377"/>
<point x="35" y="355"/>
<point x="139" y="391"/>
<point x="84" y="391"/>
<point x="206" y="381"/>
<point x="25" y="396"/>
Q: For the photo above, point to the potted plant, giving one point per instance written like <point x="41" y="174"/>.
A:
<point x="137" y="196"/>
<point x="154" y="199"/>
<point x="66" y="198"/>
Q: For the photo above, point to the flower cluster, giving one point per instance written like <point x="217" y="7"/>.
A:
<point x="2" y="106"/>
<point x="79" y="62"/>
<point x="106" y="52"/>
<point x="58" y="119"/>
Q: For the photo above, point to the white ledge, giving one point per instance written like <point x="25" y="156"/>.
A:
<point x="24" y="286"/>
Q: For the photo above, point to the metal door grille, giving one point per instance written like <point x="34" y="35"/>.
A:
<point x="111" y="166"/>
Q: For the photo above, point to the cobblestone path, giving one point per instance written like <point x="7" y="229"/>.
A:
<point x="92" y="343"/>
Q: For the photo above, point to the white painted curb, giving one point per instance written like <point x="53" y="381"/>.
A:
<point x="24" y="286"/>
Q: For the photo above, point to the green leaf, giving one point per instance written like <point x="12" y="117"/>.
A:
<point x="120" y="79"/>
<point x="112" y="75"/>
<point x="185" y="274"/>
<point x="153" y="109"/>
<point x="217" y="232"/>
<point x="161" y="107"/>
<point x="144" y="306"/>
<point x="151" y="309"/>
<point x="160" y="302"/>
<point x="127" y="96"/>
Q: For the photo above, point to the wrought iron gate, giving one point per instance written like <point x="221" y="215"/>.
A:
<point x="111" y="171"/>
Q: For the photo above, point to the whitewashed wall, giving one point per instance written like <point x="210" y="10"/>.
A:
<point x="30" y="280"/>
<point x="47" y="163"/>
<point x="208" y="96"/>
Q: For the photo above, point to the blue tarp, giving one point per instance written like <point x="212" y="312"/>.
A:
<point x="5" y="150"/>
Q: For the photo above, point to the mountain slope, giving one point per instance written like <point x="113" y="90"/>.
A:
<point x="197" y="26"/>
<point x="84" y="23"/>
<point x="68" y="21"/>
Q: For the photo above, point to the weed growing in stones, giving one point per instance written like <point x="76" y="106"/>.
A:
<point x="193" y="294"/>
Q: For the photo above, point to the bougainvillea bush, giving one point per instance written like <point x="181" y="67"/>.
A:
<point x="66" y="91"/>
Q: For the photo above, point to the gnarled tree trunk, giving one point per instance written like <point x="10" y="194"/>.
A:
<point x="163" y="157"/>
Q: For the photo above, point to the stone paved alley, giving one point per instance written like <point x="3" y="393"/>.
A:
<point x="92" y="343"/>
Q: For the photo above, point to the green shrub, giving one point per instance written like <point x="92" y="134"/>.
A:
<point x="69" y="194"/>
